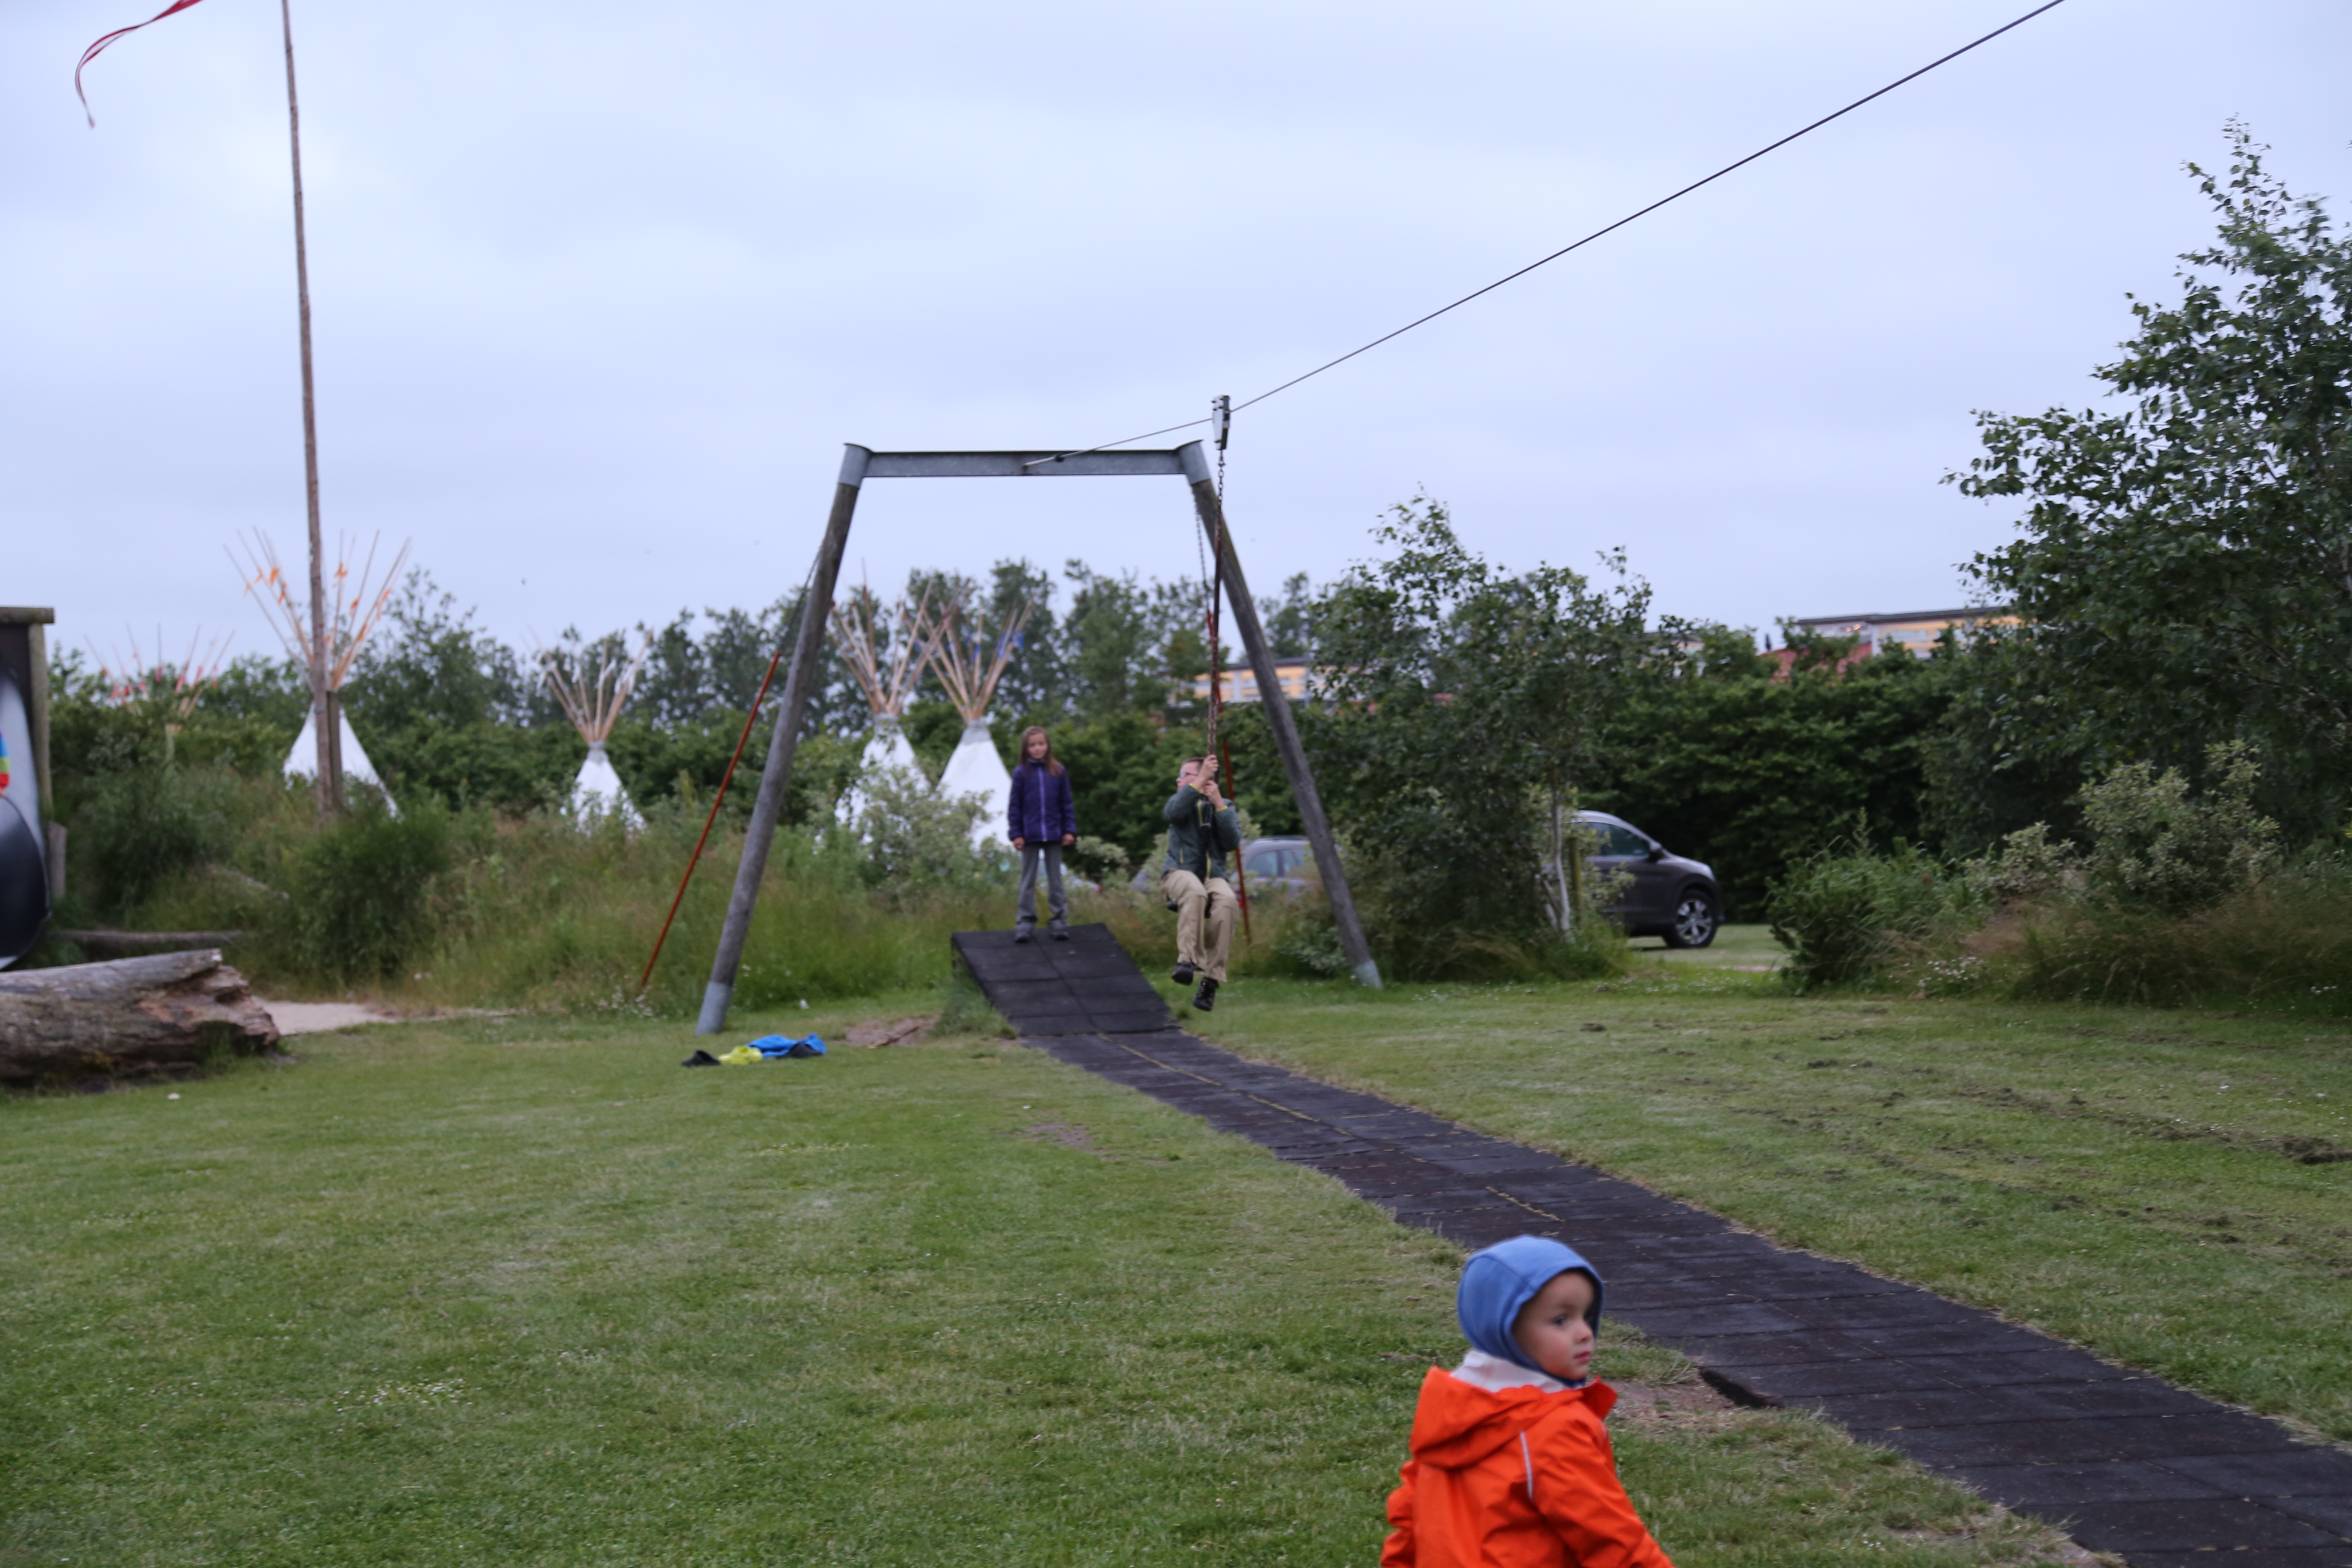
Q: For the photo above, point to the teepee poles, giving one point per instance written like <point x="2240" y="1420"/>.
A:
<point x="858" y="629"/>
<point x="968" y="663"/>
<point x="592" y="696"/>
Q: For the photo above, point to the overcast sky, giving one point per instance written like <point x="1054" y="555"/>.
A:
<point x="601" y="288"/>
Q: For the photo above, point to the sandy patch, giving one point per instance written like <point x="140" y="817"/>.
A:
<point x="876" y="1032"/>
<point x="322" y="1017"/>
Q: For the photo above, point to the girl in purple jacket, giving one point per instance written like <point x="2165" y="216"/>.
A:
<point x="1042" y="821"/>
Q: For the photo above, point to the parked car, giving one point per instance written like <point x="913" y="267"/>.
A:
<point x="1283" y="865"/>
<point x="1663" y="894"/>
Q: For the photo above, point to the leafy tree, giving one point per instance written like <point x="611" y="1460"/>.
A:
<point x="1753" y="775"/>
<point x="1470" y="711"/>
<point x="429" y="663"/>
<point x="1034" y="680"/>
<point x="2184" y="570"/>
<point x="1108" y="643"/>
<point x="1289" y="620"/>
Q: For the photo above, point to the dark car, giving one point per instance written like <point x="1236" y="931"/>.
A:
<point x="1662" y="894"/>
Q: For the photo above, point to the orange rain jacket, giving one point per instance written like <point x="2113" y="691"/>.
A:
<point x="1513" y="1478"/>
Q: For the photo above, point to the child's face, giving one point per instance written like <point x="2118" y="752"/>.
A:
<point x="1038" y="747"/>
<point x="1551" y="1330"/>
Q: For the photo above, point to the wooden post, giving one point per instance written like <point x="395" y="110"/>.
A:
<point x="1279" y="721"/>
<point x="322" y="707"/>
<point x="808" y="662"/>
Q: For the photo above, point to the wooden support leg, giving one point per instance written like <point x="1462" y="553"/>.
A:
<point x="1278" y="720"/>
<point x="808" y="667"/>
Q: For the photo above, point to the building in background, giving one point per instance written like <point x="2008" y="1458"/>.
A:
<point x="1241" y="683"/>
<point x="1912" y="631"/>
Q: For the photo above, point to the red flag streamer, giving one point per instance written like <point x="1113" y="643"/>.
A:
<point x="98" y="48"/>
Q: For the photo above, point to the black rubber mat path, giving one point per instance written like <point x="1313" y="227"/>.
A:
<point x="2125" y="1462"/>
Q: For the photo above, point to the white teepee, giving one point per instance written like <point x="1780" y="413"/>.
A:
<point x="968" y="663"/>
<point x="348" y="618"/>
<point x="886" y="683"/>
<point x="592" y="696"/>
<point x="302" y="761"/>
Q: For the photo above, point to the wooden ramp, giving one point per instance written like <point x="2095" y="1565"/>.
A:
<point x="1086" y="985"/>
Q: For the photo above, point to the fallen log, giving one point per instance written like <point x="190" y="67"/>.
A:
<point x="105" y="944"/>
<point x="134" y="1018"/>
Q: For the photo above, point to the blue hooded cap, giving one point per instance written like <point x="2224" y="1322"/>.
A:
<point x="1498" y="1281"/>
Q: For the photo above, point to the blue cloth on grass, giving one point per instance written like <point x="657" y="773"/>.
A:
<point x="775" y="1046"/>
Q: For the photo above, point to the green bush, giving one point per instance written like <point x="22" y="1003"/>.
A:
<point x="2158" y="849"/>
<point x="916" y="838"/>
<point x="1845" y="913"/>
<point x="364" y="890"/>
<point x="142" y="826"/>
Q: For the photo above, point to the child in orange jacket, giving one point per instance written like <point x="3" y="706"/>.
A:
<point x="1511" y="1466"/>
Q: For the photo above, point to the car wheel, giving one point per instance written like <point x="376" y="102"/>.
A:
<point x="1694" y="920"/>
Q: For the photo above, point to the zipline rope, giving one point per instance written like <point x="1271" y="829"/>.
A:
<point x="1596" y="234"/>
<point x="1216" y="747"/>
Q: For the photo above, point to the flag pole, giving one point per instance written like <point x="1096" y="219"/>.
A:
<point x="324" y="710"/>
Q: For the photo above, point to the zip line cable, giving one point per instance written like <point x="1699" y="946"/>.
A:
<point x="1662" y="201"/>
<point x="1596" y="234"/>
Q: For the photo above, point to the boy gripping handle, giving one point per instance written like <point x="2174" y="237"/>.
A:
<point x="1511" y="1466"/>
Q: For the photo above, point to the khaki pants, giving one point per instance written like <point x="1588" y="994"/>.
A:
<point x="1194" y="899"/>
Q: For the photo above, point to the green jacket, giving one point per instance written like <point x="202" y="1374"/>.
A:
<point x="1198" y="839"/>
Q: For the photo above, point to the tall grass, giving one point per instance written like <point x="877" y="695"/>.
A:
<point x="469" y="910"/>
<point x="2283" y="943"/>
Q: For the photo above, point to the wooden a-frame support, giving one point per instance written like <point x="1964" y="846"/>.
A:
<point x="858" y="464"/>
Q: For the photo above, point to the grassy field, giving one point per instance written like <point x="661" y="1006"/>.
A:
<point x="519" y="1289"/>
<point x="2171" y="1189"/>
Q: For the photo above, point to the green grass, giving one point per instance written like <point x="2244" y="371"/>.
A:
<point x="519" y="1289"/>
<point x="2171" y="1188"/>
<point x="1739" y="947"/>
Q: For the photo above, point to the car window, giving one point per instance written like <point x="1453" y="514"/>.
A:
<point x="1264" y="863"/>
<point x="1611" y="839"/>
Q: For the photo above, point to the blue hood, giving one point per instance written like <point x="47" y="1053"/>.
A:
<point x="1498" y="1281"/>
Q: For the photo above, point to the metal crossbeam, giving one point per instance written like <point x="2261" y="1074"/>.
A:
<point x="1017" y="465"/>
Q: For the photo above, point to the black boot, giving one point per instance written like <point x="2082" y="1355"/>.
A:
<point x="1205" y="1000"/>
<point x="1021" y="933"/>
<point x="1182" y="973"/>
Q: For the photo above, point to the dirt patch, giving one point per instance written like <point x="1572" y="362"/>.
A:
<point x="878" y="1032"/>
<point x="1690" y="1402"/>
<point x="324" y="1018"/>
<point x="1068" y="1134"/>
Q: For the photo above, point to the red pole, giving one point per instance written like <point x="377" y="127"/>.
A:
<point x="716" y="802"/>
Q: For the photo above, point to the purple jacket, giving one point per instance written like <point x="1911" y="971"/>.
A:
<point x="1041" y="809"/>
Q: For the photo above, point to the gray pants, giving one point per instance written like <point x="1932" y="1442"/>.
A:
<point x="1057" y="901"/>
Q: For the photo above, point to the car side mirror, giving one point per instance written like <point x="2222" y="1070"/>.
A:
<point x="1657" y="854"/>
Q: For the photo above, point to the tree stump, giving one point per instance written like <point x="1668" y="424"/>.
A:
<point x="134" y="1018"/>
